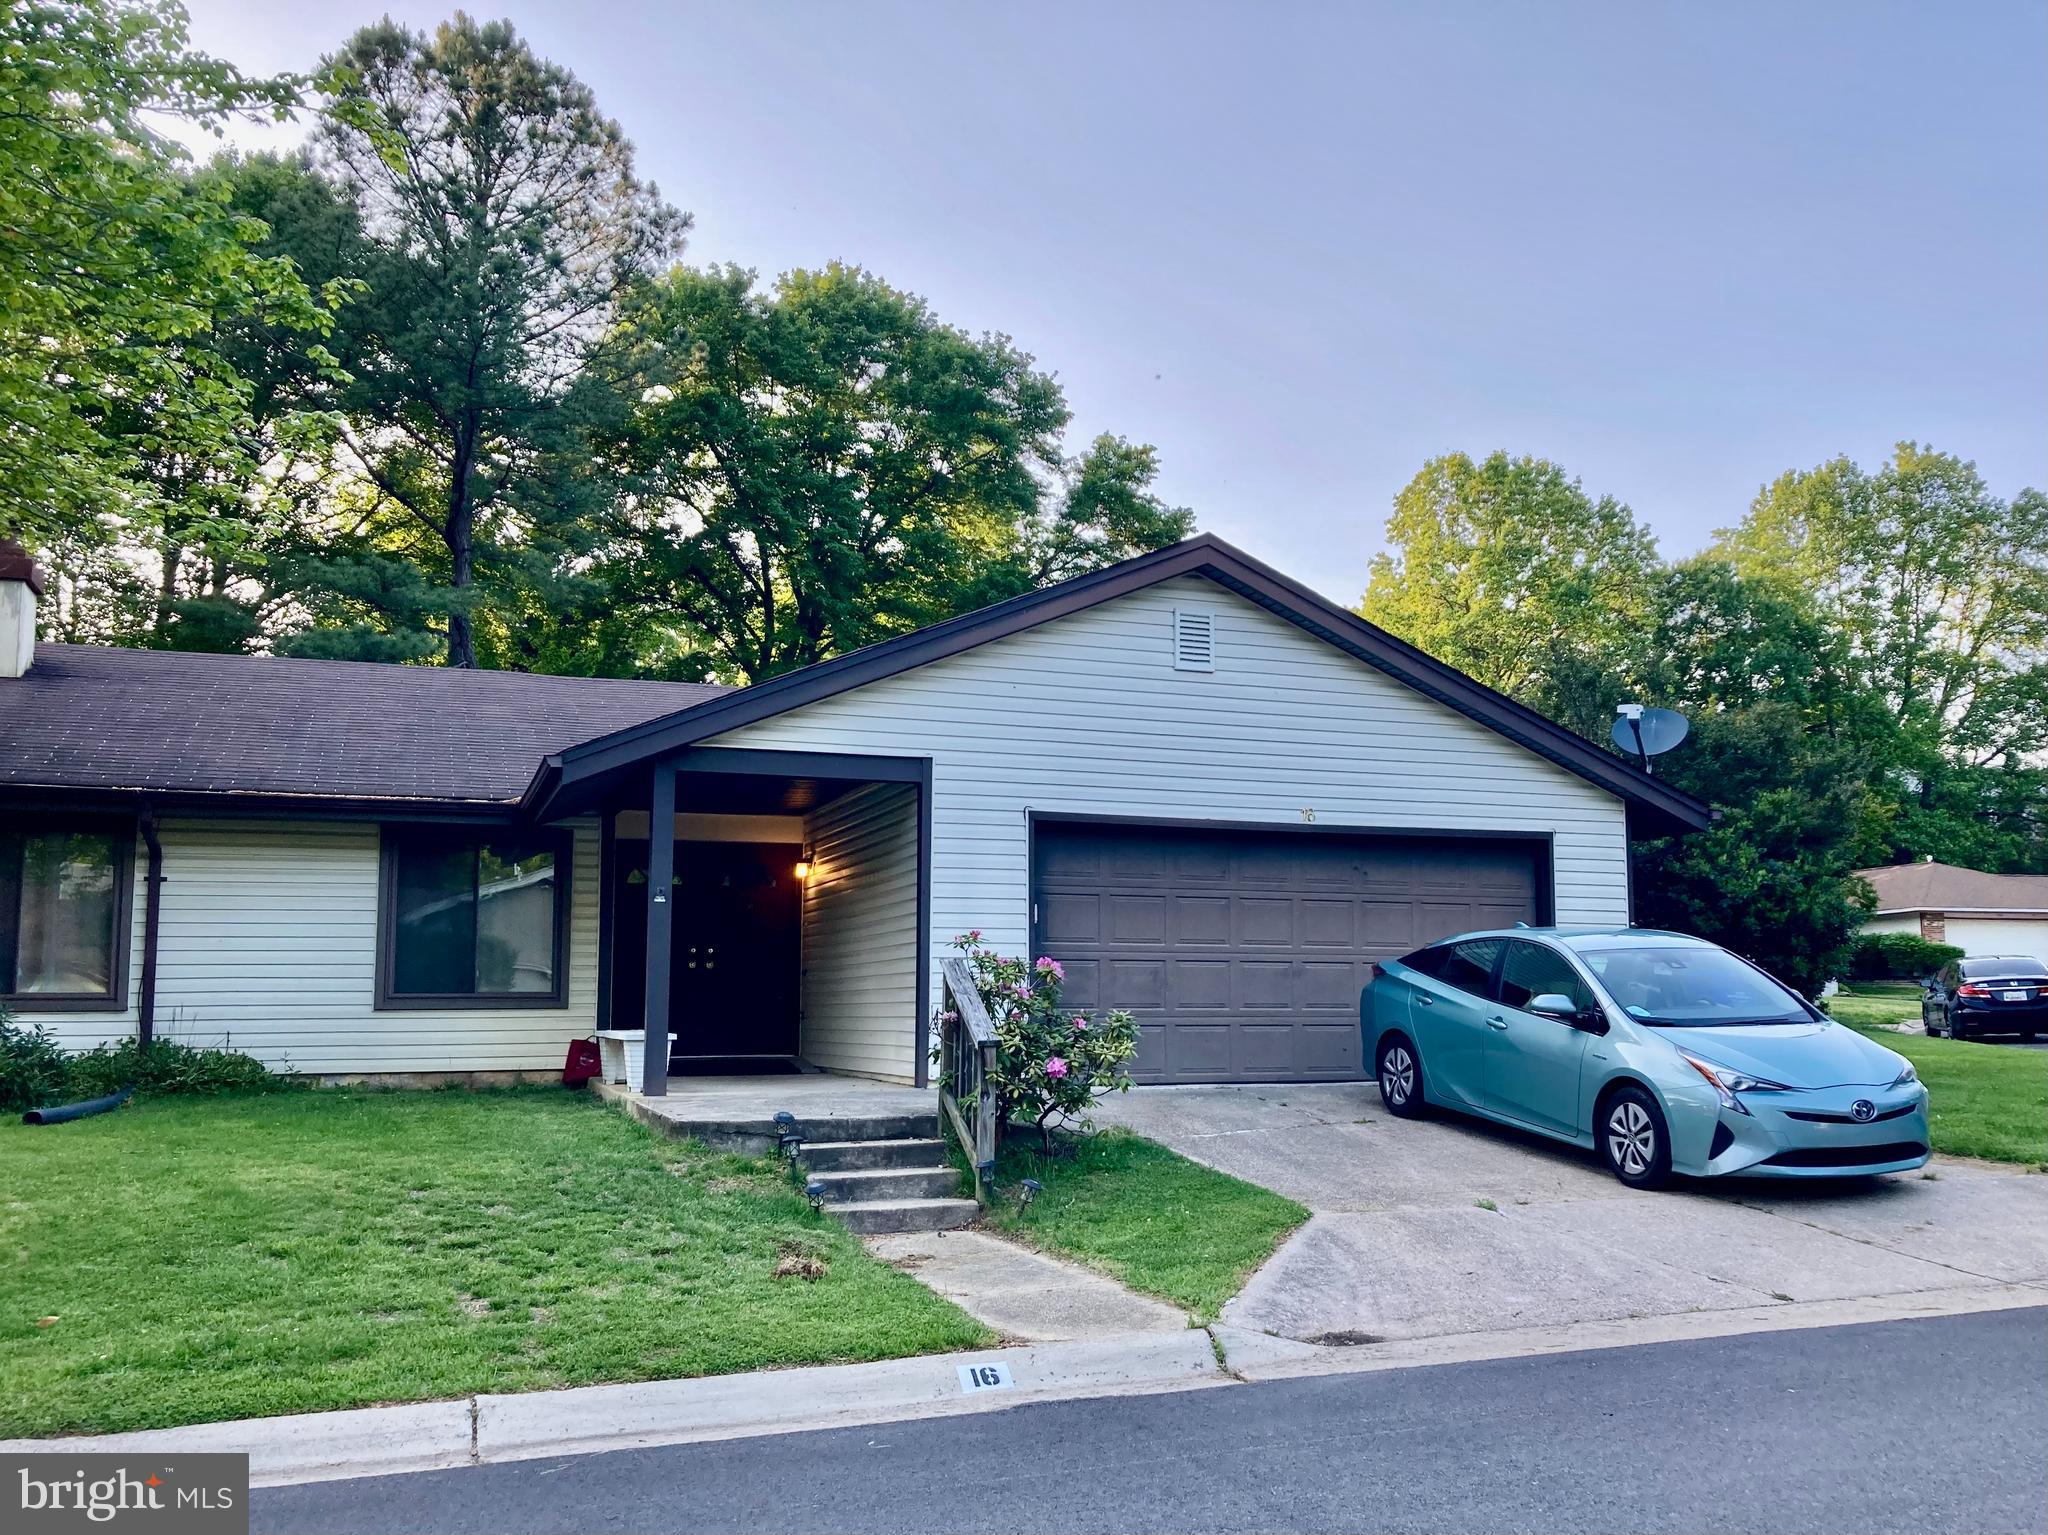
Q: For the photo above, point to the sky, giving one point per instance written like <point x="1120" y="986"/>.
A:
<point x="1677" y="249"/>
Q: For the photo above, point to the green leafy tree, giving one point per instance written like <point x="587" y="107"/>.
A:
<point x="1509" y="571"/>
<point x="116" y="271"/>
<point x="503" y="219"/>
<point x="823" y="464"/>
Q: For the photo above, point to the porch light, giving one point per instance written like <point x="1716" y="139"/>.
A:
<point x="788" y="1139"/>
<point x="803" y="863"/>
<point x="1031" y="1187"/>
<point x="814" y="1191"/>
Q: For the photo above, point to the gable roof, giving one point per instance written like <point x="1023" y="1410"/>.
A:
<point x="1913" y="887"/>
<point x="95" y="721"/>
<point x="1655" y="808"/>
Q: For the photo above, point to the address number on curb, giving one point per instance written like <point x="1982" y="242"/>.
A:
<point x="984" y="1377"/>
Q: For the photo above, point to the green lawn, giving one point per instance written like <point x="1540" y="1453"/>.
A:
<point x="1145" y="1216"/>
<point x="1983" y="1100"/>
<point x="207" y="1259"/>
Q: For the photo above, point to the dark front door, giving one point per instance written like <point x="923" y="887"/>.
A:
<point x="734" y="981"/>
<point x="1243" y="953"/>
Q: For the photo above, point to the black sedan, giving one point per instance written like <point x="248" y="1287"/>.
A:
<point x="1987" y="994"/>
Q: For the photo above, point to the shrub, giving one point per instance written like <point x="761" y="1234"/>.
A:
<point x="1051" y="1062"/>
<point x="1898" y="957"/>
<point x="33" y="1071"/>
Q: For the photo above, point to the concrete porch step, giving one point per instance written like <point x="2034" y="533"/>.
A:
<point x="848" y="1156"/>
<point x="866" y="1185"/>
<point x="877" y="1216"/>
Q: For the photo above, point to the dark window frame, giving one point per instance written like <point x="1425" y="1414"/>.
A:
<point x="390" y="837"/>
<point x="115" y="998"/>
<point x="1587" y="998"/>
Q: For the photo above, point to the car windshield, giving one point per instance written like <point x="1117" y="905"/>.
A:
<point x="1691" y="988"/>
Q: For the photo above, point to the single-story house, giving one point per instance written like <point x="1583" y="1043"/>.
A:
<point x="1215" y="796"/>
<point x="1979" y="913"/>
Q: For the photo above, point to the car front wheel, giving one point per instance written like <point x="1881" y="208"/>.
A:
<point x="1400" y="1074"/>
<point x="1634" y="1139"/>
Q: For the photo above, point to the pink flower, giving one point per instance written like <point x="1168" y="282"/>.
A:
<point x="1022" y="988"/>
<point x="1055" y="1067"/>
<point x="1047" y="965"/>
<point x="1080" y="1022"/>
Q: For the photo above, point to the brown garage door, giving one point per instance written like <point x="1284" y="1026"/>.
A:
<point x="1242" y="953"/>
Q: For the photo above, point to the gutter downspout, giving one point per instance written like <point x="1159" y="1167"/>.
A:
<point x="152" y="887"/>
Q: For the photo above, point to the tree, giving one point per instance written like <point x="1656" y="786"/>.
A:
<point x="115" y="270"/>
<point x="1510" y="572"/>
<point x="1938" y="588"/>
<point x="504" y="220"/>
<point x="823" y="464"/>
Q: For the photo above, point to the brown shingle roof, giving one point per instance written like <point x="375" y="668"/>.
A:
<point x="95" y="718"/>
<point x="1944" y="887"/>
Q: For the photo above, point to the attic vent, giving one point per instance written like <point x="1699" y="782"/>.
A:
<point x="1194" y="640"/>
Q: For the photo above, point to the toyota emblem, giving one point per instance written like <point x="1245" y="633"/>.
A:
<point x="1863" y="1111"/>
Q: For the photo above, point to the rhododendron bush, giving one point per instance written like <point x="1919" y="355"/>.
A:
<point x="1052" y="1061"/>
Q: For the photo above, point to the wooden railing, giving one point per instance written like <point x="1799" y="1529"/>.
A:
<point x="967" y="1063"/>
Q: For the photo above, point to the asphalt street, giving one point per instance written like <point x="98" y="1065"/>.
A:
<point x="1934" y="1424"/>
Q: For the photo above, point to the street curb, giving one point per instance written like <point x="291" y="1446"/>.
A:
<point x="378" y="1441"/>
<point x="1256" y="1356"/>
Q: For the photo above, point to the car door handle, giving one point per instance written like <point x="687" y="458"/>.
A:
<point x="1496" y="1022"/>
<point x="1426" y="1001"/>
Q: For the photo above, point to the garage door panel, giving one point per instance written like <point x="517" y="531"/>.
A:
<point x="1264" y="920"/>
<point x="1201" y="919"/>
<point x="1200" y="1050"/>
<point x="1139" y="919"/>
<point x="1267" y="983"/>
<point x="1070" y="917"/>
<point x="1328" y="923"/>
<point x="1242" y="953"/>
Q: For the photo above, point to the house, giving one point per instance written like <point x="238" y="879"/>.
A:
<point x="1213" y="795"/>
<point x="1979" y="913"/>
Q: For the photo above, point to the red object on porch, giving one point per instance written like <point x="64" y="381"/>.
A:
<point x="582" y="1063"/>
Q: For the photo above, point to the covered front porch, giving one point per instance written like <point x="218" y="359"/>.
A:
<point x="778" y="933"/>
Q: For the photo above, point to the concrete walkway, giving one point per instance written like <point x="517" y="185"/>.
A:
<point x="1023" y="1294"/>
<point x="1448" y="1226"/>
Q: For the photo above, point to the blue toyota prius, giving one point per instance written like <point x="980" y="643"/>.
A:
<point x="1666" y="1054"/>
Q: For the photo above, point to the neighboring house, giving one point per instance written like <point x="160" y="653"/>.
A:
<point x="1979" y="913"/>
<point x="1215" y="796"/>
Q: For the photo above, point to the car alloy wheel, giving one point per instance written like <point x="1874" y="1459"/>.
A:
<point x="1633" y="1137"/>
<point x="1400" y="1077"/>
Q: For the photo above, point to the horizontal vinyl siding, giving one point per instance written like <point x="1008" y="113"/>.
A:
<point x="1087" y="715"/>
<point x="860" y="934"/>
<point x="268" y="945"/>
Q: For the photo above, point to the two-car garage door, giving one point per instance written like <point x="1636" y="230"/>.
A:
<point x="1242" y="953"/>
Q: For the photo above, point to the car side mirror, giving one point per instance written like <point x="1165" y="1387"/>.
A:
<point x="1555" y="1004"/>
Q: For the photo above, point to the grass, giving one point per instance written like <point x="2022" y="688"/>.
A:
<point x="1983" y="1100"/>
<point x="1145" y="1216"/>
<point x="207" y="1259"/>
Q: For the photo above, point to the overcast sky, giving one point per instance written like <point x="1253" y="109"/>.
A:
<point x="1677" y="249"/>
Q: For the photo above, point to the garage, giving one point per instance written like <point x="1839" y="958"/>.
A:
<point x="1242" y="951"/>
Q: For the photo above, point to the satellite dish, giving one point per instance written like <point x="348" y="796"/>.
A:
<point x="1648" y="733"/>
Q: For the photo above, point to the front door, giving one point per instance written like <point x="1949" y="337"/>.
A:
<point x="734" y="952"/>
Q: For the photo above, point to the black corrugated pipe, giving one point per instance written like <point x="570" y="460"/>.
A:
<point x="70" y="1111"/>
<point x="152" y="884"/>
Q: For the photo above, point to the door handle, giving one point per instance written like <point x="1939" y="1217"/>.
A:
<point x="1425" y="1000"/>
<point x="1496" y="1022"/>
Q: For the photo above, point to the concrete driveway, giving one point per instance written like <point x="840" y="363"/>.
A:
<point x="1451" y="1226"/>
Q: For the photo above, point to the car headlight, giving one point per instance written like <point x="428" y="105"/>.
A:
<point x="1907" y="1075"/>
<point x="1727" y="1082"/>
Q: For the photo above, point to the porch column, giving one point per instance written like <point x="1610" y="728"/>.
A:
<point x="661" y="868"/>
<point x="607" y="912"/>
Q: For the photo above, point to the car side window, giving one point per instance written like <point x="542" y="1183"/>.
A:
<point x="1532" y="970"/>
<point x="1469" y="965"/>
<point x="1429" y="961"/>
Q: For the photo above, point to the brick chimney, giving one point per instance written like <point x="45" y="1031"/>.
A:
<point x="21" y="583"/>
